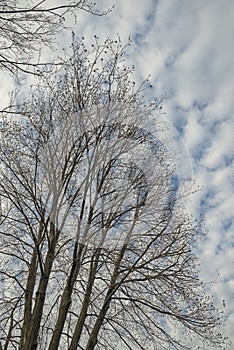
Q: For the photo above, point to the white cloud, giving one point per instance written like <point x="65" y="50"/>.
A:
<point x="221" y="150"/>
<point x="187" y="46"/>
<point x="188" y="49"/>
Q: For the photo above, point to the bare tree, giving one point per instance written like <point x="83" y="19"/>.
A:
<point x="96" y="247"/>
<point x="27" y="25"/>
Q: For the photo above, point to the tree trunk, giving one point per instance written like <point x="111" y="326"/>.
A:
<point x="28" y="299"/>
<point x="111" y="290"/>
<point x="33" y="332"/>
<point x="66" y="298"/>
<point x="85" y="304"/>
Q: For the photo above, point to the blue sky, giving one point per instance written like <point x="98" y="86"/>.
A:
<point x="187" y="47"/>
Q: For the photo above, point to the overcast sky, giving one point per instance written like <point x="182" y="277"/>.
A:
<point x="187" y="47"/>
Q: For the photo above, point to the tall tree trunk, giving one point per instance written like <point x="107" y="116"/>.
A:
<point x="66" y="298"/>
<point x="31" y="280"/>
<point x="33" y="331"/>
<point x="28" y="299"/>
<point x="111" y="290"/>
<point x="86" y="301"/>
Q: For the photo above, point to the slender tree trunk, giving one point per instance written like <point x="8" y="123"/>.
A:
<point x="66" y="298"/>
<point x="86" y="301"/>
<point x="94" y="334"/>
<point x="111" y="290"/>
<point x="31" y="280"/>
<point x="28" y="298"/>
<point x="33" y="332"/>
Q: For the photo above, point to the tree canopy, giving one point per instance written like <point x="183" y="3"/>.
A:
<point x="97" y="249"/>
<point x="28" y="25"/>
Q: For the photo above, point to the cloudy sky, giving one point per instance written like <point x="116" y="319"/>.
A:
<point x="187" y="47"/>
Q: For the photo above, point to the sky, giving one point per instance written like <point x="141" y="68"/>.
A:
<point x="187" y="48"/>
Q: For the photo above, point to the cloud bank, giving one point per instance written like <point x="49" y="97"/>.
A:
<point x="187" y="48"/>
